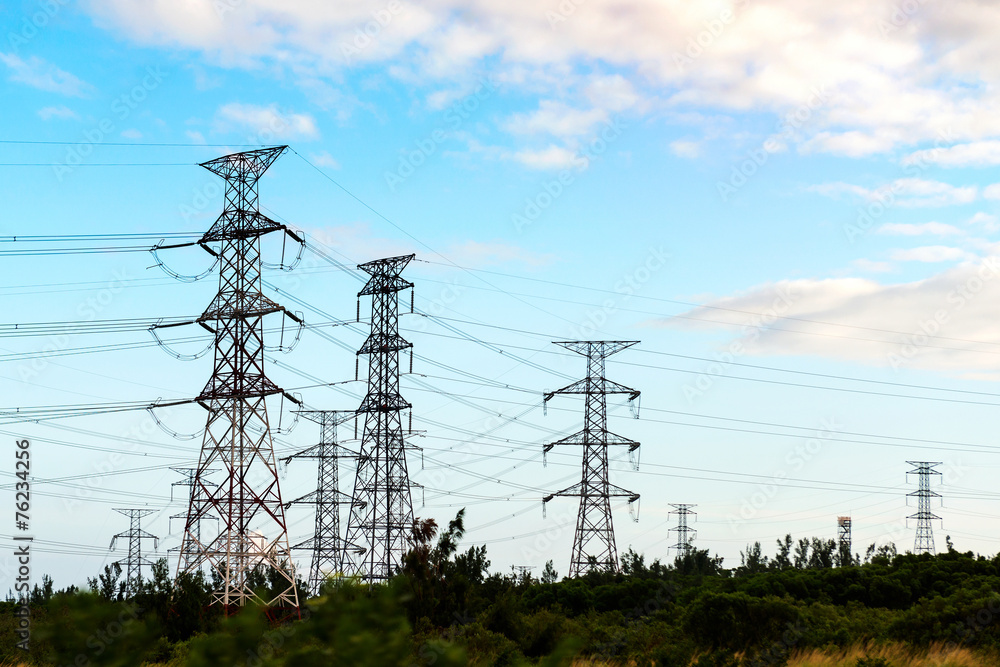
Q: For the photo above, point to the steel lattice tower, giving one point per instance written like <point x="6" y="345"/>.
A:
<point x="252" y="529"/>
<point x="594" y="541"/>
<point x="382" y="507"/>
<point x="326" y="543"/>
<point x="924" y="541"/>
<point x="685" y="534"/>
<point x="135" y="535"/>
<point x="188" y="481"/>
<point x="844" y="540"/>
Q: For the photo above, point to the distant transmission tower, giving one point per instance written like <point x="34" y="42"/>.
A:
<point x="924" y="542"/>
<point x="844" y="540"/>
<point x="594" y="542"/>
<point x="685" y="534"/>
<point x="134" y="534"/>
<point x="382" y="507"/>
<point x="253" y="535"/>
<point x="326" y="543"/>
<point x="189" y="475"/>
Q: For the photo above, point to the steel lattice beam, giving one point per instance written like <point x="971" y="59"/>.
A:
<point x="924" y="540"/>
<point x="326" y="544"/>
<point x="685" y="534"/>
<point x="135" y="534"/>
<point x="594" y="542"/>
<point x="382" y="506"/>
<point x="252" y="534"/>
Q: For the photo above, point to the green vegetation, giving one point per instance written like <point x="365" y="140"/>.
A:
<point x="805" y="606"/>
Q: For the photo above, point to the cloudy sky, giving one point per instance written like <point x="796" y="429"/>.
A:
<point x="792" y="204"/>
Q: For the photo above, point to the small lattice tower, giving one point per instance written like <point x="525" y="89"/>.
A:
<point x="685" y="534"/>
<point x="326" y="544"/>
<point x="382" y="507"/>
<point x="924" y="541"/>
<point x="594" y="542"/>
<point x="134" y="562"/>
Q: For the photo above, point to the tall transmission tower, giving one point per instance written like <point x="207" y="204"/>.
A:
<point x="844" y="540"/>
<point x="924" y="541"/>
<point x="685" y="534"/>
<point x="594" y="542"/>
<point x="326" y="543"/>
<point x="382" y="508"/>
<point x="135" y="534"/>
<point x="189" y="475"/>
<point x="253" y="535"/>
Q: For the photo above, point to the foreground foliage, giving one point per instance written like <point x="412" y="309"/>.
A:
<point x="445" y="608"/>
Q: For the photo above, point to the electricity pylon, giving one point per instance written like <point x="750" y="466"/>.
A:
<point x="685" y="534"/>
<point x="326" y="543"/>
<point x="188" y="481"/>
<point x="135" y="534"/>
<point x="253" y="534"/>
<point x="924" y="541"/>
<point x="594" y="543"/>
<point x="844" y="540"/>
<point x="382" y="508"/>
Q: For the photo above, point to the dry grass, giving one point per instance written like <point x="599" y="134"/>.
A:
<point x="895" y="655"/>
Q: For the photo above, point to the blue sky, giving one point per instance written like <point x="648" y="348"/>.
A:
<point x="678" y="168"/>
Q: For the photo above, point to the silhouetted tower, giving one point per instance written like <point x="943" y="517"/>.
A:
<point x="382" y="507"/>
<point x="134" y="534"/>
<point x="252" y="531"/>
<point x="188" y="481"/>
<point x="844" y="540"/>
<point x="594" y="542"/>
<point x="326" y="543"/>
<point x="685" y="534"/>
<point x="924" y="542"/>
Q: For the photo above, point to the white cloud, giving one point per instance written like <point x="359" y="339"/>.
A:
<point x="870" y="266"/>
<point x="992" y="191"/>
<point x="132" y="133"/>
<point x="553" y="157"/>
<point x="683" y="148"/>
<point x="931" y="80"/>
<point x="60" y="113"/>
<point x="266" y="122"/>
<point x="930" y="253"/>
<point x="989" y="222"/>
<point x="195" y="136"/>
<point x="557" y="119"/>
<point x="921" y="229"/>
<point x="906" y="192"/>
<point x="977" y="154"/>
<point x="870" y="322"/>
<point x="40" y="74"/>
<point x="324" y="159"/>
